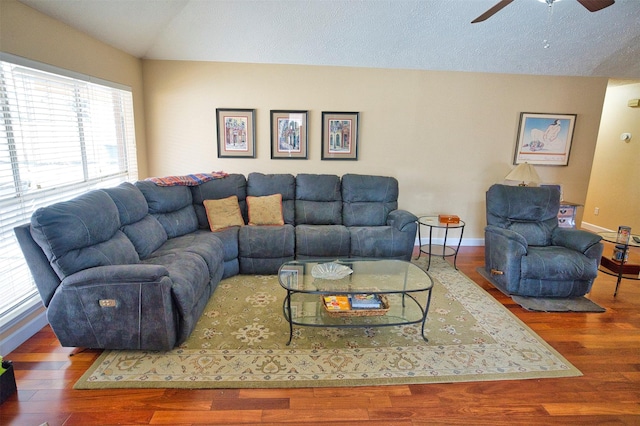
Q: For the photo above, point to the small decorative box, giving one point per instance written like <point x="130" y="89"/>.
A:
<point x="448" y="218"/>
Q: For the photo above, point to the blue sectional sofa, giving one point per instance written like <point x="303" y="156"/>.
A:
<point x="132" y="267"/>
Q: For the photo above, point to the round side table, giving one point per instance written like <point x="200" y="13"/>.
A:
<point x="432" y="222"/>
<point x="621" y="269"/>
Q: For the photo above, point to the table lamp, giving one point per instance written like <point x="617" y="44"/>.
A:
<point x="524" y="173"/>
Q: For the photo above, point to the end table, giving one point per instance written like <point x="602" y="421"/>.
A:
<point x="621" y="269"/>
<point x="432" y="222"/>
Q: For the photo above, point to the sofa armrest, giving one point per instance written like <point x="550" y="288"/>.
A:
<point x="116" y="274"/>
<point x="116" y="307"/>
<point x="399" y="219"/>
<point x="503" y="254"/>
<point x="514" y="242"/>
<point x="576" y="239"/>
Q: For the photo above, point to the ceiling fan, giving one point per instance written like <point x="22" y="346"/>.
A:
<point x="590" y="5"/>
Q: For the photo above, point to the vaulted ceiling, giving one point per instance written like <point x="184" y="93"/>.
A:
<point x="408" y="34"/>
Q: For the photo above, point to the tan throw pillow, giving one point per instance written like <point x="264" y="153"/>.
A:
<point x="223" y="213"/>
<point x="265" y="210"/>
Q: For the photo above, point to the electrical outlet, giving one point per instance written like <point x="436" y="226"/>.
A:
<point x="596" y="211"/>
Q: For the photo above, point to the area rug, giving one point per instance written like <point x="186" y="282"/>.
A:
<point x="240" y="342"/>
<point x="548" y="304"/>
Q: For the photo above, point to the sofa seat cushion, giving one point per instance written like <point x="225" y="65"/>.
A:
<point x="203" y="243"/>
<point x="190" y="277"/>
<point x="82" y="233"/>
<point x="555" y="263"/>
<point x="262" y="249"/>
<point x="378" y="241"/>
<point x="229" y="239"/>
<point x="321" y="241"/>
<point x="266" y="241"/>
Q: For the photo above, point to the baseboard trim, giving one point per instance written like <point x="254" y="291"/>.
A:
<point x="466" y="242"/>
<point x="23" y="331"/>
<point x="594" y="228"/>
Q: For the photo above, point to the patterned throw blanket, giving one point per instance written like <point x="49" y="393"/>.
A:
<point x="187" y="180"/>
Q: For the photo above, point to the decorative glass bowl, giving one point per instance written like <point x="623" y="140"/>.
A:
<point x="330" y="271"/>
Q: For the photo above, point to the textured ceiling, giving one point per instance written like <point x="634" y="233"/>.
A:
<point x="409" y="34"/>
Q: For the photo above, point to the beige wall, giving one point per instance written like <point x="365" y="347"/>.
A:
<point x="615" y="182"/>
<point x="28" y="33"/>
<point x="447" y="136"/>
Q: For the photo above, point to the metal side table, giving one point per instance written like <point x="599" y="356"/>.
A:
<point x="443" y="250"/>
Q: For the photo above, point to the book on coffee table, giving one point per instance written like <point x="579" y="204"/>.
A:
<point x="336" y="302"/>
<point x="365" y="301"/>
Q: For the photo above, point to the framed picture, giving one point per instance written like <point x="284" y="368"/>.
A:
<point x="292" y="276"/>
<point x="236" y="133"/>
<point x="289" y="135"/>
<point x="544" y="139"/>
<point x="340" y="135"/>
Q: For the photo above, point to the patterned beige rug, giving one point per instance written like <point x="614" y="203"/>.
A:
<point x="240" y="342"/>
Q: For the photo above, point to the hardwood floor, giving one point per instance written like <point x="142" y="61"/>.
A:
<point x="605" y="347"/>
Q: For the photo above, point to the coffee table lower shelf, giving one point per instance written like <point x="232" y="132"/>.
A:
<point x="306" y="309"/>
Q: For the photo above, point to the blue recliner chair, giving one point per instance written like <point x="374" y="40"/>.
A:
<point x="527" y="254"/>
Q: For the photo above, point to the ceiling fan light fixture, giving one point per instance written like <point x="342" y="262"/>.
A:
<point x="590" y="5"/>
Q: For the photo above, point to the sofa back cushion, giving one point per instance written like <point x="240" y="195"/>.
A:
<point x="144" y="230"/>
<point x="318" y="200"/>
<point x="172" y="206"/>
<point x="529" y="211"/>
<point x="82" y="233"/>
<point x="259" y="185"/>
<point x="131" y="204"/>
<point x="217" y="189"/>
<point x="367" y="200"/>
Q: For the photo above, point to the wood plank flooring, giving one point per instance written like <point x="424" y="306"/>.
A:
<point x="605" y="347"/>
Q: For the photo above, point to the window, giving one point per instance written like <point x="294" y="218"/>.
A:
<point x="61" y="134"/>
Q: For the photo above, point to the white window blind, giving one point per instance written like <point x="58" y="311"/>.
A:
<point x="61" y="134"/>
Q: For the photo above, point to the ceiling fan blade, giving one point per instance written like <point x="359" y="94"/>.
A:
<point x="495" y="9"/>
<point x="596" y="5"/>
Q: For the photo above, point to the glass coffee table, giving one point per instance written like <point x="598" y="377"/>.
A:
<point x="398" y="283"/>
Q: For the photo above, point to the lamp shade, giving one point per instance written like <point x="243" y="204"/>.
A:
<point x="524" y="173"/>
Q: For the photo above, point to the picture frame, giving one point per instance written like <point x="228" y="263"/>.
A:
<point x="544" y="139"/>
<point x="340" y="135"/>
<point x="236" y="132"/>
<point x="289" y="134"/>
<point x="292" y="276"/>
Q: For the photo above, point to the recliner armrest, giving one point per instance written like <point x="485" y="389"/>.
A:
<point x="116" y="274"/>
<point x="508" y="234"/>
<point x="400" y="218"/>
<point x="116" y="307"/>
<point x="575" y="239"/>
